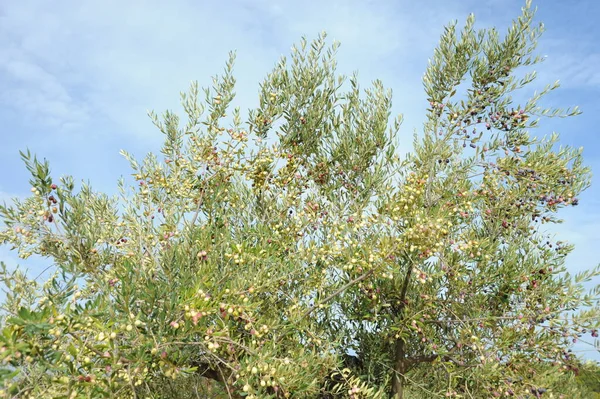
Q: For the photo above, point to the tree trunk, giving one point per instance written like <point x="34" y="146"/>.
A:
<point x="399" y="370"/>
<point x="400" y="352"/>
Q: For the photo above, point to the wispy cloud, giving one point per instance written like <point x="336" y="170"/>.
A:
<point x="72" y="64"/>
<point x="576" y="68"/>
<point x="38" y="94"/>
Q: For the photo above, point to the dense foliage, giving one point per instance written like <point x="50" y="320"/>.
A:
<point x="588" y="379"/>
<point x="296" y="255"/>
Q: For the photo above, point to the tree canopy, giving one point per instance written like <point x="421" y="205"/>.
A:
<point x="295" y="254"/>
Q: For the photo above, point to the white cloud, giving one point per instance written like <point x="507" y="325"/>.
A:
<point x="39" y="94"/>
<point x="77" y="64"/>
<point x="575" y="69"/>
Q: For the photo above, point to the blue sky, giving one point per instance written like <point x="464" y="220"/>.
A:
<point x="77" y="77"/>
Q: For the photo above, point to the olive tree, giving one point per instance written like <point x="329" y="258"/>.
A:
<point x="294" y="254"/>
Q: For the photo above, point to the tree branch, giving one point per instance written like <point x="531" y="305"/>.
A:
<point x="206" y="371"/>
<point x="339" y="291"/>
